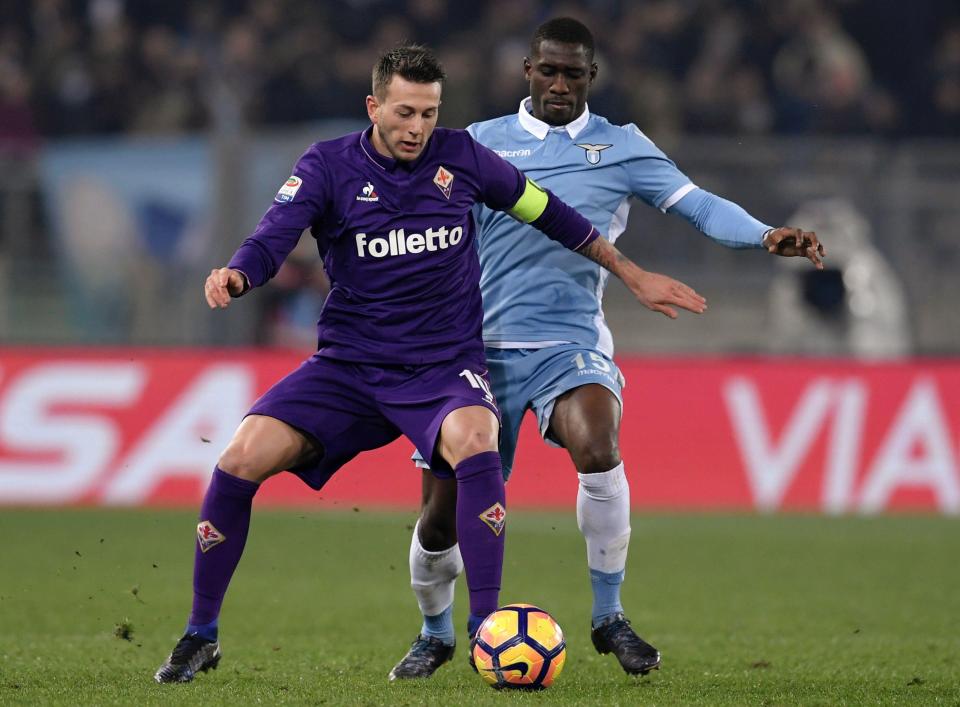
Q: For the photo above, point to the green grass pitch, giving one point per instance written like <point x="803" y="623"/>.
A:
<point x="747" y="610"/>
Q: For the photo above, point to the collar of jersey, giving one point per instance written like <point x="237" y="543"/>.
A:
<point x="388" y="164"/>
<point x="539" y="129"/>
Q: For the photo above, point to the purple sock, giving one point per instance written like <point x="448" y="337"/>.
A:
<point x="481" y="531"/>
<point x="221" y="535"/>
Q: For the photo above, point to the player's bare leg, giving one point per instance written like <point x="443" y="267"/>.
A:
<point x="586" y="420"/>
<point x="438" y="513"/>
<point x="468" y="443"/>
<point x="261" y="447"/>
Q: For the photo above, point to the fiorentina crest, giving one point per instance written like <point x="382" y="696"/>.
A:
<point x="495" y="517"/>
<point x="444" y="180"/>
<point x="208" y="536"/>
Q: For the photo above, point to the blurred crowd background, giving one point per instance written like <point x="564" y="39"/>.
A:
<point x="141" y="139"/>
<point x="80" y="67"/>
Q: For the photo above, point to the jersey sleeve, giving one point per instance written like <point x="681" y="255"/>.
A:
<point x="501" y="184"/>
<point x="652" y="175"/>
<point x="297" y="206"/>
<point x="725" y="222"/>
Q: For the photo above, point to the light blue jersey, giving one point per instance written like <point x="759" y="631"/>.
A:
<point x="543" y="324"/>
<point x="537" y="293"/>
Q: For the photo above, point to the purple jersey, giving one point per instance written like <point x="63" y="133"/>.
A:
<point x="397" y="240"/>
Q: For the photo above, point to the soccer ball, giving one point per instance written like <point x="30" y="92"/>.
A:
<point x="519" y="647"/>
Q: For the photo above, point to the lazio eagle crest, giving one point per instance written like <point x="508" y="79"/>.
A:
<point x="593" y="151"/>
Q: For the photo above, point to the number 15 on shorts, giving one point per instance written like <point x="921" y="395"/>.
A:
<point x="477" y="381"/>
<point x="597" y="364"/>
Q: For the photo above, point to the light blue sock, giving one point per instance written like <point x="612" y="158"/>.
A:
<point x="440" y="626"/>
<point x="208" y="631"/>
<point x="606" y="594"/>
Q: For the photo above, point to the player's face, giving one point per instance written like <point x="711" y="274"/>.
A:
<point x="404" y="118"/>
<point x="560" y="75"/>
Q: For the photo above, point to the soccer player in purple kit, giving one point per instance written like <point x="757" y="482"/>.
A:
<point x="399" y="336"/>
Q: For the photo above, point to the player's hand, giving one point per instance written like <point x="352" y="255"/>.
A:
<point x="221" y="284"/>
<point x="792" y="242"/>
<point x="658" y="292"/>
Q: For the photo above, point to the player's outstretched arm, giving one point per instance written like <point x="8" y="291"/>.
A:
<point x="544" y="211"/>
<point x="729" y="224"/>
<point x="222" y="284"/>
<point x="655" y="291"/>
<point x="792" y="242"/>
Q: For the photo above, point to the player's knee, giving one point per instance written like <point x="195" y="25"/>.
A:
<point x="477" y="442"/>
<point x="596" y="457"/>
<point x="468" y="443"/>
<point x="241" y="463"/>
<point x="467" y="432"/>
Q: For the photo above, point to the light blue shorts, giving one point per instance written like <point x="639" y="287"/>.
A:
<point x="533" y="379"/>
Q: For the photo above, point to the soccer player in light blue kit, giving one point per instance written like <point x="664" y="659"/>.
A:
<point x="547" y="345"/>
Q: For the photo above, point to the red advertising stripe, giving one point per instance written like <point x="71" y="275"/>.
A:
<point x="139" y="426"/>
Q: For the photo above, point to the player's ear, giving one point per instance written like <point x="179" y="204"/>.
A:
<point x="527" y="68"/>
<point x="373" y="106"/>
<point x="594" y="68"/>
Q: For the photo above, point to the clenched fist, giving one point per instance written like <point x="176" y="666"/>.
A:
<point x="792" y="242"/>
<point x="221" y="285"/>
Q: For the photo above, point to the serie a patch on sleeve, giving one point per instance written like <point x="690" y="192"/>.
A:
<point x="288" y="190"/>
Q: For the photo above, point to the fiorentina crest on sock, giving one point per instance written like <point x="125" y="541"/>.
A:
<point x="495" y="517"/>
<point x="208" y="535"/>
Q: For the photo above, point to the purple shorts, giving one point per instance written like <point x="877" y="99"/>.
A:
<point x="348" y="408"/>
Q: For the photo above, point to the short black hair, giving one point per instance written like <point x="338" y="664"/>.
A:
<point x="413" y="62"/>
<point x="565" y="30"/>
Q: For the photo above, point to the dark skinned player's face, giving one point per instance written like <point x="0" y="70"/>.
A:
<point x="560" y="75"/>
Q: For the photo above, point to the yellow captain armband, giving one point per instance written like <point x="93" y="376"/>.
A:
<point x="531" y="203"/>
